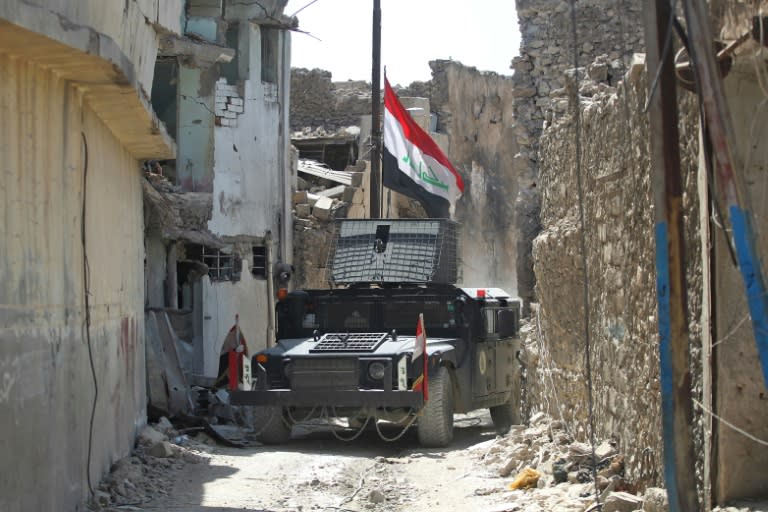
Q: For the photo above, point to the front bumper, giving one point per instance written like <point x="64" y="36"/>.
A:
<point x="373" y="398"/>
<point x="320" y="395"/>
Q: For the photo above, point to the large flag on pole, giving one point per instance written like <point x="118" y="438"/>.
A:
<point x="413" y="164"/>
<point x="420" y="351"/>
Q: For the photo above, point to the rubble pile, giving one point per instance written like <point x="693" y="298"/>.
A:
<point x="544" y="468"/>
<point x="317" y="202"/>
<point x="149" y="472"/>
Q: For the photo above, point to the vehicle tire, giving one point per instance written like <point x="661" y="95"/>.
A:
<point x="435" y="425"/>
<point x="270" y="425"/>
<point x="505" y="415"/>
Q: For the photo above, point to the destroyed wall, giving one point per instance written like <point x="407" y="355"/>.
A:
<point x="605" y="27"/>
<point x="318" y="102"/>
<point x="232" y="176"/>
<point x="620" y="257"/>
<point x="74" y="127"/>
<point x="475" y="111"/>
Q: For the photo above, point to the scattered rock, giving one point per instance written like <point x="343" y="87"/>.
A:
<point x="164" y="425"/>
<point x="622" y="502"/>
<point x="162" y="450"/>
<point x="376" y="496"/>
<point x="149" y="436"/>
<point x="655" y="500"/>
<point x="605" y="450"/>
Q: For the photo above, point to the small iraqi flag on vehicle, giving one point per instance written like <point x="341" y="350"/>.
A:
<point x="413" y="164"/>
<point x="420" y="351"/>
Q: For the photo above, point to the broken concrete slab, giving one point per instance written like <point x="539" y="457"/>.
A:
<point x="334" y="192"/>
<point x="322" y="208"/>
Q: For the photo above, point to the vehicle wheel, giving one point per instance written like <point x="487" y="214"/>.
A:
<point x="435" y="426"/>
<point x="505" y="415"/>
<point x="270" y="425"/>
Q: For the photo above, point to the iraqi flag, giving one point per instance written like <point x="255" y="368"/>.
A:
<point x="420" y="351"/>
<point x="413" y="164"/>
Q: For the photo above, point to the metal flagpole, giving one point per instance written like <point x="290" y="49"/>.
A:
<point x="375" y="181"/>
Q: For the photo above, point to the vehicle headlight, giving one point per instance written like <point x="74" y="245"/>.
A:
<point x="376" y="370"/>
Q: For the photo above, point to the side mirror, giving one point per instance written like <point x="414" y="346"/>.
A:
<point x="507" y="323"/>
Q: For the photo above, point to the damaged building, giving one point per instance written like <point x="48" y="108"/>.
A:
<point x="148" y="138"/>
<point x="219" y="228"/>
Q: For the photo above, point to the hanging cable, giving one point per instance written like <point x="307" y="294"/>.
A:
<point x="87" y="305"/>
<point x="583" y="245"/>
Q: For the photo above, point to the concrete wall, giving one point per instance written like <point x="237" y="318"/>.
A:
<point x="221" y="302"/>
<point x="48" y="132"/>
<point x="248" y="160"/>
<point x="194" y="161"/>
<point x="740" y="394"/>
<point x="122" y="33"/>
<point x="73" y="77"/>
<point x="620" y="254"/>
<point x="474" y="111"/>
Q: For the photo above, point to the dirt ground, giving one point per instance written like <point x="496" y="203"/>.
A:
<point x="316" y="471"/>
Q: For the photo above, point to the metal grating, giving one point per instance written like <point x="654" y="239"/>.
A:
<point x="349" y="342"/>
<point x="394" y="251"/>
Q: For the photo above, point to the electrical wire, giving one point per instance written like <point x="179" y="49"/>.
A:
<point x="87" y="305"/>
<point x="730" y="425"/>
<point x="583" y="245"/>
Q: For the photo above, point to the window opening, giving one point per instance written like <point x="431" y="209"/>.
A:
<point x="269" y="46"/>
<point x="229" y="70"/>
<point x="259" y="266"/>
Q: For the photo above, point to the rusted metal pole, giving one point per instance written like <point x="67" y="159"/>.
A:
<point x="676" y="405"/>
<point x="375" y="181"/>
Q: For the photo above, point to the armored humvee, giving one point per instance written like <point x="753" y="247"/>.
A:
<point x="347" y="351"/>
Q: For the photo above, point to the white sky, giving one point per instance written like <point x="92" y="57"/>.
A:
<point x="483" y="34"/>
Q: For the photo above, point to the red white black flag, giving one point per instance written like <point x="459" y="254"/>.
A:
<point x="413" y="164"/>
<point x="420" y="351"/>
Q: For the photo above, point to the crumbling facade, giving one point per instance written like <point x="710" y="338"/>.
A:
<point x="474" y="112"/>
<point x="546" y="51"/>
<point x="219" y="237"/>
<point x="620" y="258"/>
<point x="74" y="127"/>
<point x="609" y="95"/>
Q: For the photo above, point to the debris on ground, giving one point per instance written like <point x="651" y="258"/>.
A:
<point x="149" y="472"/>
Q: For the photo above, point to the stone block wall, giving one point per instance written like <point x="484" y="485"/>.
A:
<point x="620" y="253"/>
<point x="318" y="102"/>
<point x="608" y="27"/>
